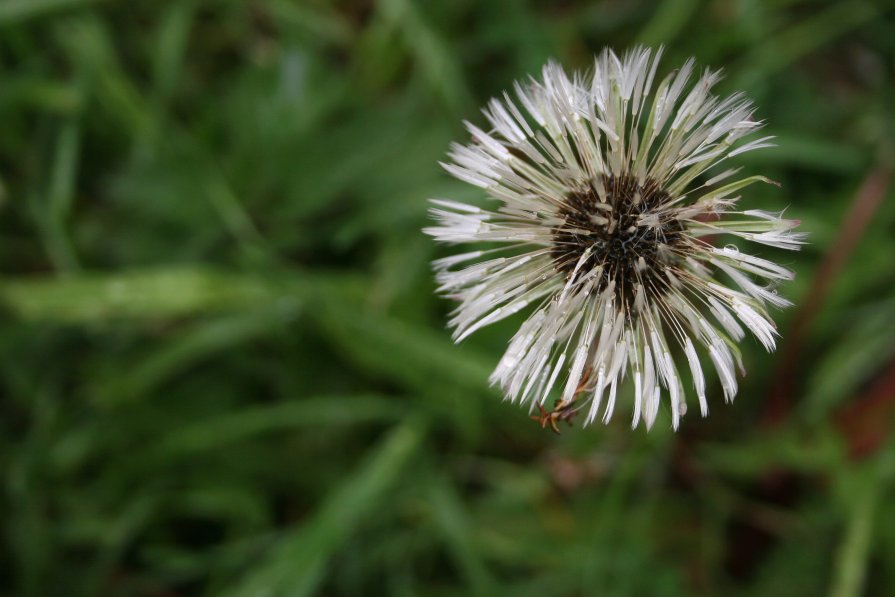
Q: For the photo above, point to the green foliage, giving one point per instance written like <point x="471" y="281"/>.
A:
<point x="223" y="369"/>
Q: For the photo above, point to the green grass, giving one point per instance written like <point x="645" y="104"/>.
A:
<point x="223" y="369"/>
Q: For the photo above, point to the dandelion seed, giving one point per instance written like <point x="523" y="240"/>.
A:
<point x="600" y="224"/>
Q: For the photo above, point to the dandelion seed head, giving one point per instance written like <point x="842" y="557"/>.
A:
<point x="607" y="205"/>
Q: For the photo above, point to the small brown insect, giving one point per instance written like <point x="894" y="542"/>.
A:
<point x="563" y="410"/>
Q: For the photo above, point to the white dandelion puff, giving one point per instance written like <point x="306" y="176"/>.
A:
<point x="608" y="207"/>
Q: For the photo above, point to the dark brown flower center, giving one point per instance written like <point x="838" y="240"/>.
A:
<point x="624" y="231"/>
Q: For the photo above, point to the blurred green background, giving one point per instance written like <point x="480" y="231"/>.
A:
<point x="223" y="370"/>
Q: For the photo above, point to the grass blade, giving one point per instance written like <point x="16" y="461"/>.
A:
<point x="297" y="565"/>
